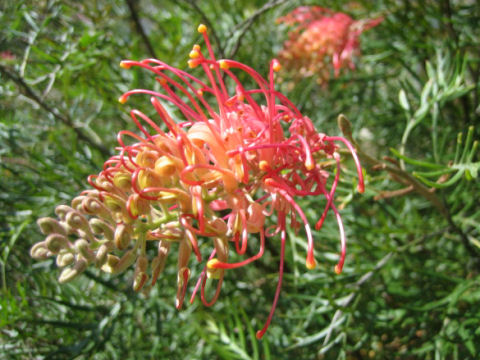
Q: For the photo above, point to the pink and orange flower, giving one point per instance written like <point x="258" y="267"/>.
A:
<point x="238" y="156"/>
<point x="321" y="37"/>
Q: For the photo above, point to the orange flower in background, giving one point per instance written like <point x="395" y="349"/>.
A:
<point x="226" y="158"/>
<point x="321" y="38"/>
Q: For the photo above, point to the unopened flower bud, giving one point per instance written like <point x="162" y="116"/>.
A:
<point x="82" y="246"/>
<point x="49" y="226"/>
<point x="123" y="180"/>
<point x="101" y="255"/>
<point x="218" y="225"/>
<point x="137" y="205"/>
<point x="77" y="221"/>
<point x="110" y="264"/>
<point x="114" y="203"/>
<point x="56" y="242"/>
<point x="184" y="252"/>
<point x="165" y="166"/>
<point x="221" y="246"/>
<point x="103" y="183"/>
<point x="101" y="227"/>
<point x="125" y="261"/>
<point x="182" y="280"/>
<point x="122" y="236"/>
<point x="39" y="251"/>
<point x="140" y="276"/>
<point x="77" y="202"/>
<point x="147" y="158"/>
<point x="148" y="178"/>
<point x="71" y="273"/>
<point x="255" y="218"/>
<point x="62" y="211"/>
<point x="65" y="259"/>
<point x="94" y="206"/>
<point x="158" y="262"/>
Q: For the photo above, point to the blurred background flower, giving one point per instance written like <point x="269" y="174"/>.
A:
<point x="321" y="39"/>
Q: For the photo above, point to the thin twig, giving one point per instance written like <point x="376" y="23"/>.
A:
<point x="138" y="25"/>
<point x="245" y="25"/>
<point x="65" y="119"/>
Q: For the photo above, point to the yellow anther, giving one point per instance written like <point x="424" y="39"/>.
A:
<point x="223" y="65"/>
<point x="211" y="264"/>
<point x="194" y="54"/>
<point x="201" y="28"/>
<point x="309" y="165"/>
<point x="276" y="66"/>
<point x="125" y="65"/>
<point x="192" y="63"/>
<point x="311" y="264"/>
<point x="263" y="165"/>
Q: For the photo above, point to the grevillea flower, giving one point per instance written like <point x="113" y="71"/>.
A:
<point x="212" y="177"/>
<point x="321" y="36"/>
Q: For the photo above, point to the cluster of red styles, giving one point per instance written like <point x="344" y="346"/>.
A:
<point x="237" y="157"/>
<point x="321" y="38"/>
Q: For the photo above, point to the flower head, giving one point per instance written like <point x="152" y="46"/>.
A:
<point x="321" y="36"/>
<point x="221" y="167"/>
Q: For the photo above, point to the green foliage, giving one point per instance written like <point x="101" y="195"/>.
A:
<point x="410" y="286"/>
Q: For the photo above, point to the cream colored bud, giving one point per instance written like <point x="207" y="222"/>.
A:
<point x="110" y="263"/>
<point x="94" y="206"/>
<point x="76" y="220"/>
<point x="182" y="279"/>
<point x="101" y="227"/>
<point x="39" y="251"/>
<point x="104" y="183"/>
<point x="140" y="276"/>
<point x="221" y="246"/>
<point x="139" y="280"/>
<point x="122" y="236"/>
<point x="49" y="226"/>
<point x="101" y="255"/>
<point x="62" y="211"/>
<point x="65" y="259"/>
<point x="123" y="180"/>
<point x="138" y="206"/>
<point x="71" y="273"/>
<point x="125" y="261"/>
<point x="141" y="264"/>
<point x="184" y="252"/>
<point x="158" y="262"/>
<point x="56" y="242"/>
<point x="114" y="203"/>
<point x="82" y="246"/>
<point x="77" y="202"/>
